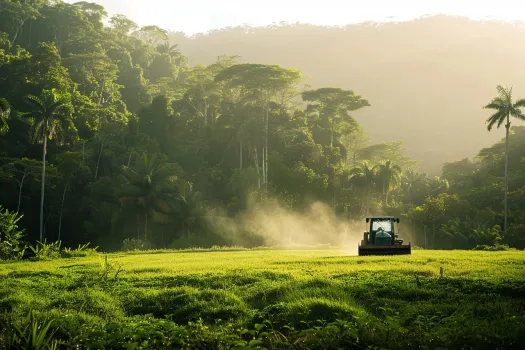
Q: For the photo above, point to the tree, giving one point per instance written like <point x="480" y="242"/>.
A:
<point x="152" y="34"/>
<point x="263" y="85"/>
<point x="331" y="105"/>
<point x="151" y="188"/>
<point x="388" y="175"/>
<point x="364" y="177"/>
<point x="505" y="107"/>
<point x="49" y="120"/>
<point x="122" y="25"/>
<point x="20" y="170"/>
<point x="5" y="110"/>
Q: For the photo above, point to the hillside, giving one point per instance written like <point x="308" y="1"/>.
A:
<point x="427" y="79"/>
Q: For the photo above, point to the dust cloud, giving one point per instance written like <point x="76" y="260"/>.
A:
<point x="277" y="226"/>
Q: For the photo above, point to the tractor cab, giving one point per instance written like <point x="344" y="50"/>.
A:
<point x="381" y="238"/>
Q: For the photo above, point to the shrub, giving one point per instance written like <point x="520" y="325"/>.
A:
<point x="493" y="248"/>
<point x="11" y="244"/>
<point x="136" y="244"/>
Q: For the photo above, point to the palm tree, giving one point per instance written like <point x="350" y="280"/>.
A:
<point x="439" y="185"/>
<point x="48" y="119"/>
<point x="173" y="51"/>
<point x="5" y="110"/>
<point x="388" y="175"/>
<point x="152" y="188"/>
<point x="413" y="182"/>
<point x="505" y="108"/>
<point x="364" y="176"/>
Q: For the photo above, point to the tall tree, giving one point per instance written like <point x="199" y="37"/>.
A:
<point x="5" y="110"/>
<point x="331" y="105"/>
<point x="49" y="120"/>
<point x="122" y="25"/>
<point x="364" y="177"/>
<point x="388" y="175"/>
<point x="263" y="85"/>
<point x="152" y="189"/>
<point x="505" y="107"/>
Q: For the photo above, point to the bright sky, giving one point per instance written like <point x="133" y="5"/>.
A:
<point x="194" y="16"/>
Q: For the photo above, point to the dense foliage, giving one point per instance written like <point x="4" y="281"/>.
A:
<point x="109" y="135"/>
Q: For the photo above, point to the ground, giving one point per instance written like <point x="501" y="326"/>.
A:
<point x="273" y="298"/>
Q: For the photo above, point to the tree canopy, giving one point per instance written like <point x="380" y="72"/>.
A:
<point x="133" y="142"/>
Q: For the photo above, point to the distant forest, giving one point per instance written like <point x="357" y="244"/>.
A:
<point x="111" y="133"/>
<point x="426" y="78"/>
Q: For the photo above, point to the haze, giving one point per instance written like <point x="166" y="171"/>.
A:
<point x="427" y="78"/>
<point x="195" y="16"/>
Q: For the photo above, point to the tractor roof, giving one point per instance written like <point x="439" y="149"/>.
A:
<point x="382" y="217"/>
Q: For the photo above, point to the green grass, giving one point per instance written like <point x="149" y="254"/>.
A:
<point x="430" y="299"/>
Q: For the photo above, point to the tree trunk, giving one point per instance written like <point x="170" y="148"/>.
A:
<point x="99" y="155"/>
<point x="44" y="151"/>
<point x="266" y="147"/>
<point x="146" y="226"/>
<point x="425" y="231"/>
<point x="61" y="211"/>
<point x="20" y="185"/>
<point x="256" y="160"/>
<point x="129" y="159"/>
<point x="240" y="155"/>
<point x="83" y="152"/>
<point x="333" y="184"/>
<point x="434" y="236"/>
<point x="138" y="225"/>
<point x="506" y="172"/>
<point x="263" y="166"/>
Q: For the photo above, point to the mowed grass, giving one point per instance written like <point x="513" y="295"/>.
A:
<point x="430" y="299"/>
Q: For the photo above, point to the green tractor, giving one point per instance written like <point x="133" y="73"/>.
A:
<point x="381" y="238"/>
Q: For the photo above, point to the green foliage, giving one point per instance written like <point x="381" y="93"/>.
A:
<point x="136" y="244"/>
<point x="493" y="248"/>
<point x="12" y="245"/>
<point x="54" y="250"/>
<point x="5" y="111"/>
<point x="105" y="101"/>
<point x="44" y="250"/>
<point x="36" y="334"/>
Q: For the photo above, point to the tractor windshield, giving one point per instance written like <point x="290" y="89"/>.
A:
<point x="385" y="225"/>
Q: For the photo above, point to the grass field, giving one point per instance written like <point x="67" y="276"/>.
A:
<point x="270" y="298"/>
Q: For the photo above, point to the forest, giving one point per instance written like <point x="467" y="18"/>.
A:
<point x="110" y="136"/>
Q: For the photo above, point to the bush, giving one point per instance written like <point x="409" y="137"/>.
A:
<point x="493" y="248"/>
<point x="53" y="250"/>
<point x="136" y="244"/>
<point x="11" y="244"/>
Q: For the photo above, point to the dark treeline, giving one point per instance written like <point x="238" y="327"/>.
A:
<point x="109" y="134"/>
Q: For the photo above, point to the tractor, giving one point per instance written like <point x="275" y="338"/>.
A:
<point x="381" y="238"/>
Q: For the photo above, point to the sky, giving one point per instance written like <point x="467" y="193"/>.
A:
<point x="198" y="16"/>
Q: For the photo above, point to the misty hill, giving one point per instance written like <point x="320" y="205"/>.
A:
<point x="426" y="79"/>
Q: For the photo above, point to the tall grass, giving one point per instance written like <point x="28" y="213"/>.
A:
<point x="272" y="298"/>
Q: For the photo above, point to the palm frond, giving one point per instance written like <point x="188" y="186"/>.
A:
<point x="36" y="103"/>
<point x="519" y="103"/>
<point x="493" y="119"/>
<point x="37" y="131"/>
<point x="496" y="103"/>
<point x="5" y="108"/>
